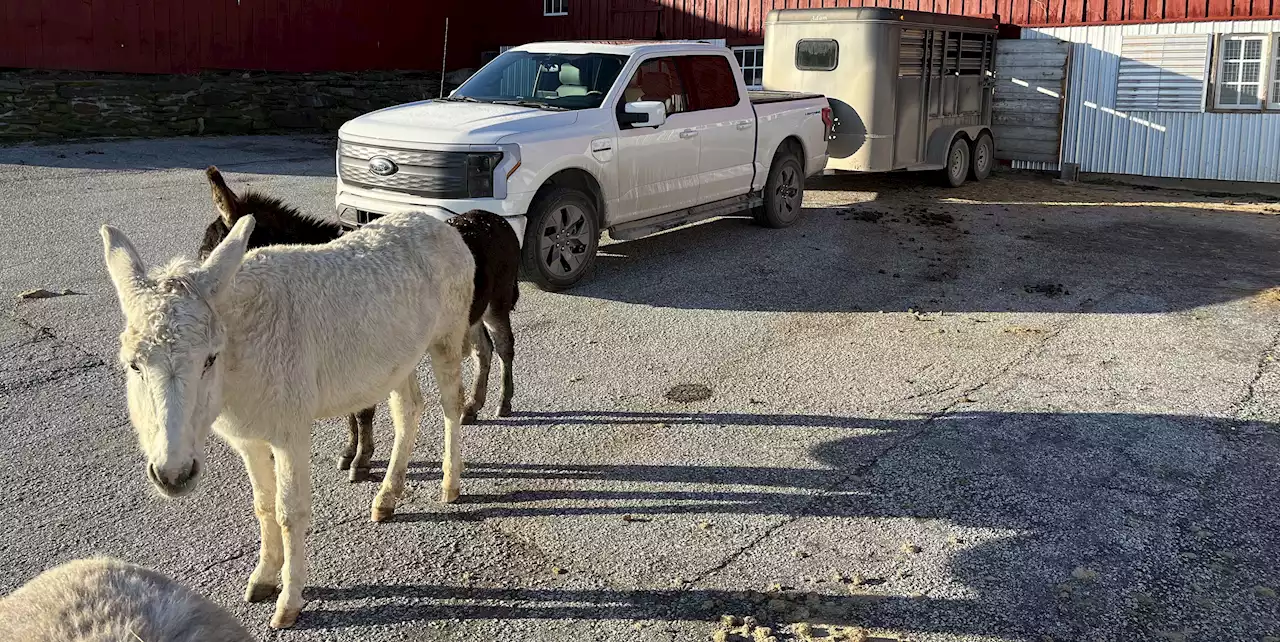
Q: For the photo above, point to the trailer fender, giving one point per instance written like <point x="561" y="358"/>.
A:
<point x="940" y="141"/>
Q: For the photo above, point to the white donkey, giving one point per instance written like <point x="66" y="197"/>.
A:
<point x="258" y="346"/>
<point x="107" y="600"/>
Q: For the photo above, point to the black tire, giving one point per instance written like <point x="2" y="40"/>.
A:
<point x="783" y="191"/>
<point x="560" y="239"/>
<point x="982" y="156"/>
<point x="957" y="163"/>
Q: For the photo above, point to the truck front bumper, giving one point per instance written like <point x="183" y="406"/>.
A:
<point x="356" y="206"/>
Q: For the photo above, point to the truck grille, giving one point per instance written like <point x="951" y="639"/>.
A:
<point x="420" y="173"/>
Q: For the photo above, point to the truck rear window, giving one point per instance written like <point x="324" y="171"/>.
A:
<point x="817" y="55"/>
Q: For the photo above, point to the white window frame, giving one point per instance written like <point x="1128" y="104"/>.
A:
<point x="759" y="51"/>
<point x="1272" y="88"/>
<point x="555" y="7"/>
<point x="1266" y="74"/>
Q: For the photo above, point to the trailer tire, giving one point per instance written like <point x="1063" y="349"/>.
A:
<point x="982" y="157"/>
<point x="783" y="191"/>
<point x="560" y="239"/>
<point x="957" y="167"/>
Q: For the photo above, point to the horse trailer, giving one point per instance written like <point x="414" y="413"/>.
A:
<point x="909" y="90"/>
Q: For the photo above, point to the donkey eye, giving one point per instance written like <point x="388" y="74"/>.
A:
<point x="133" y="365"/>
<point x="208" y="363"/>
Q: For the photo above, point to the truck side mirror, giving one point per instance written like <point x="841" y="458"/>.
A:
<point x="643" y="113"/>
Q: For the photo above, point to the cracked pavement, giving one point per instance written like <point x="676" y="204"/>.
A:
<point x="1018" y="410"/>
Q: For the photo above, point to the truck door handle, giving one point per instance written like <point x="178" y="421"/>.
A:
<point x="744" y="125"/>
<point x="688" y="133"/>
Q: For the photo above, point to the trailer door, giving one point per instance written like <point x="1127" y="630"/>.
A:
<point x="1030" y="91"/>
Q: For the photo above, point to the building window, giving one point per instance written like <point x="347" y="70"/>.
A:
<point x="751" y="59"/>
<point x="555" y="7"/>
<point x="1163" y="73"/>
<point x="1275" y="73"/>
<point x="1242" y="63"/>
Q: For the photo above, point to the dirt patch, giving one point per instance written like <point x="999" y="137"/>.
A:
<point x="1269" y="296"/>
<point x="1051" y="290"/>
<point x="866" y="216"/>
<point x="688" y="392"/>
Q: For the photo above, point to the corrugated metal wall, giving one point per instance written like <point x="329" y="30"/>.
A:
<point x="1221" y="146"/>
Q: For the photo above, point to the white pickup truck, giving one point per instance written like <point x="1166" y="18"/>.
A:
<point x="568" y="139"/>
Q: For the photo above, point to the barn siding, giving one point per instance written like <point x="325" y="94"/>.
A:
<point x="741" y="21"/>
<point x="167" y="36"/>
<point x="1219" y="146"/>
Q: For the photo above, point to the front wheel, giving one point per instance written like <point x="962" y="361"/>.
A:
<point x="560" y="239"/>
<point x="783" y="191"/>
<point x="957" y="163"/>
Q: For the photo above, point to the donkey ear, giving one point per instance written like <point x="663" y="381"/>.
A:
<point x="123" y="263"/>
<point x="221" y="266"/>
<point x="223" y="198"/>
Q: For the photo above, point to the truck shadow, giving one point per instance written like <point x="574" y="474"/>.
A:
<point x="1073" y="526"/>
<point x="892" y="243"/>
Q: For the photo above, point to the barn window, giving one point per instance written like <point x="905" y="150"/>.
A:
<point x="817" y="55"/>
<point x="1242" y="62"/>
<point x="1163" y="73"/>
<point x="751" y="59"/>
<point x="555" y="7"/>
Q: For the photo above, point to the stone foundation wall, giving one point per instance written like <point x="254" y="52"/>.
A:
<point x="58" y="104"/>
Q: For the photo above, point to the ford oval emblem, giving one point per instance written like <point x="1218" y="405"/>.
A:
<point x="382" y="166"/>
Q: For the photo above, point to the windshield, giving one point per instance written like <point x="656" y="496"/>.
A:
<point x="544" y="80"/>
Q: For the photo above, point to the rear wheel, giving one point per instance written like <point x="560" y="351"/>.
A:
<point x="783" y="191"/>
<point x="560" y="239"/>
<point x="957" y="168"/>
<point x="983" y="155"/>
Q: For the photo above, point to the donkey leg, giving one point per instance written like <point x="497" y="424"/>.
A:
<point x="353" y="442"/>
<point x="262" y="477"/>
<point x="406" y="405"/>
<point x="364" y="451"/>
<point x="498" y="322"/>
<point x="481" y="356"/>
<point x="293" y="512"/>
<point x="446" y="363"/>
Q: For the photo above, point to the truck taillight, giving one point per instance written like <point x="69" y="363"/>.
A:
<point x="828" y="123"/>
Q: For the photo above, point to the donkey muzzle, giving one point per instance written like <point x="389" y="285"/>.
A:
<point x="174" y="483"/>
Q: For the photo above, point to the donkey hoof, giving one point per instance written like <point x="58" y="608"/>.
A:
<point x="504" y="411"/>
<point x="384" y="506"/>
<point x="469" y="417"/>
<point x="449" y="495"/>
<point x="259" y="592"/>
<point x="284" y="618"/>
<point x="344" y="462"/>
<point x="358" y="474"/>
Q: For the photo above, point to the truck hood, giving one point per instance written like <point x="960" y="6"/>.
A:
<point x="452" y="123"/>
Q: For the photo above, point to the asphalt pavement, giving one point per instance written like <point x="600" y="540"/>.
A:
<point x="1018" y="410"/>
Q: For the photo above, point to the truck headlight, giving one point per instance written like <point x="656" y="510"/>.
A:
<point x="480" y="167"/>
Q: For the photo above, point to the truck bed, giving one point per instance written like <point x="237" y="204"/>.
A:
<point x="766" y="96"/>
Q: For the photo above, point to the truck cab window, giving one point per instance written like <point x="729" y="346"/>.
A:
<point x="658" y="79"/>
<point x="712" y="83"/>
<point x="556" y="81"/>
<point x="817" y="55"/>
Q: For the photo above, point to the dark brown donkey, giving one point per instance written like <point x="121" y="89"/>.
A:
<point x="497" y="254"/>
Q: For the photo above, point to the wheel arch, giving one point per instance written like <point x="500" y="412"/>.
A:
<point x="581" y="180"/>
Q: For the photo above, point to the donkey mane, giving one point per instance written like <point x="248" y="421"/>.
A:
<point x="277" y="223"/>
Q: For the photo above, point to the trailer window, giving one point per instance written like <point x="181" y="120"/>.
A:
<point x="817" y="55"/>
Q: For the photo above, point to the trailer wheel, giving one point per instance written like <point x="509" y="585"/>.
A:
<point x="783" y="191"/>
<point x="957" y="163"/>
<point x="560" y="239"/>
<point x="984" y="152"/>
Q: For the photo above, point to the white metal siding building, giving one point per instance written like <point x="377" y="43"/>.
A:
<point x="1175" y="99"/>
